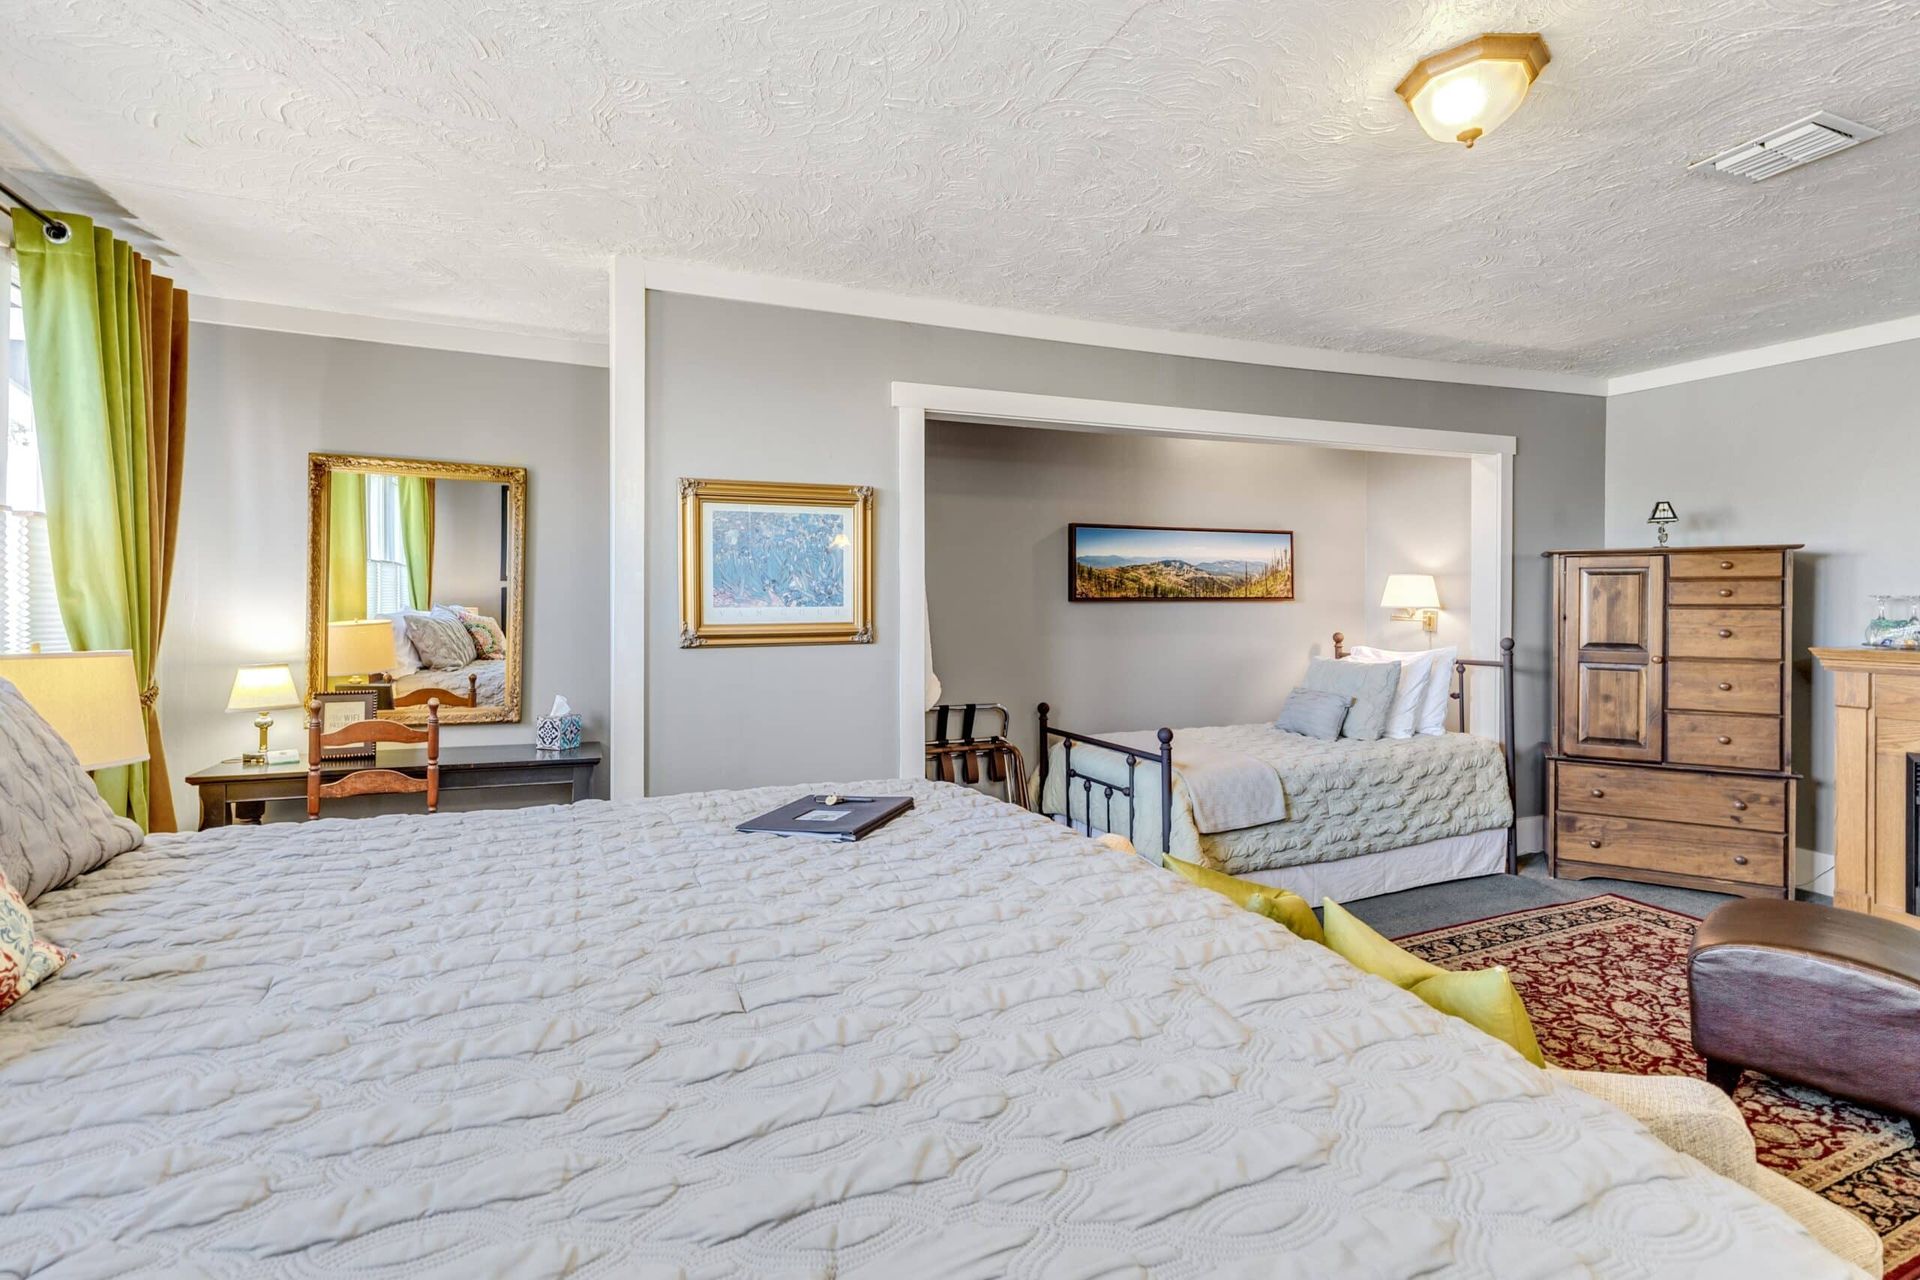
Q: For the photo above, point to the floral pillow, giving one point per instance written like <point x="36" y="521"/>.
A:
<point x="25" y="961"/>
<point x="488" y="640"/>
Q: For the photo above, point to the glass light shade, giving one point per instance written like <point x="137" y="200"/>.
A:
<point x="1410" y="591"/>
<point x="1466" y="92"/>
<point x="92" y="700"/>
<point x="267" y="687"/>
<point x="360" y="648"/>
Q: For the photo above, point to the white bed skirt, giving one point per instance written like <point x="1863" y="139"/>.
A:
<point x="1483" y="853"/>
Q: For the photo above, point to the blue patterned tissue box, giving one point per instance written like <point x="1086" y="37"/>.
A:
<point x="557" y="733"/>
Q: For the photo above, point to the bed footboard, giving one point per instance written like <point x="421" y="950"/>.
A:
<point x="1133" y="757"/>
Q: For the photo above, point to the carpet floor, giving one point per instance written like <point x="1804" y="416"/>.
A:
<point x="1605" y="979"/>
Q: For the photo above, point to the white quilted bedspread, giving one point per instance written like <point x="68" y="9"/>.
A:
<point x="626" y="1041"/>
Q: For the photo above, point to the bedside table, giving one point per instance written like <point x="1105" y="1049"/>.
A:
<point x="234" y="792"/>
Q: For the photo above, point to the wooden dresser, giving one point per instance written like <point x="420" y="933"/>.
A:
<point x="1876" y="723"/>
<point x="1670" y="759"/>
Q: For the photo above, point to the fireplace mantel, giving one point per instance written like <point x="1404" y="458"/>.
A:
<point x="1876" y="696"/>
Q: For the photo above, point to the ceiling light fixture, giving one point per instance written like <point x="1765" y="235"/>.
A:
<point x="1464" y="93"/>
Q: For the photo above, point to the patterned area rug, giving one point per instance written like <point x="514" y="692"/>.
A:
<point x="1606" y="982"/>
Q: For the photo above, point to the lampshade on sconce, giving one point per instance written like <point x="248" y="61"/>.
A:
<point x="360" y="648"/>
<point x="1414" y="598"/>
<point x="1464" y="93"/>
<point x="92" y="700"/>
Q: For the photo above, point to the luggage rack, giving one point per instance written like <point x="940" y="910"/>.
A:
<point x="970" y="757"/>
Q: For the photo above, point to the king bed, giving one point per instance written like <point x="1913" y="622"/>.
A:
<point x="626" y="1040"/>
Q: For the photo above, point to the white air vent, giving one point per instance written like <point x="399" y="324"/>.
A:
<point x="1788" y="147"/>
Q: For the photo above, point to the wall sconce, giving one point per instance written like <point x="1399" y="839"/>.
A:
<point x="1413" y="598"/>
<point x="1464" y="93"/>
<point x="1663" y="515"/>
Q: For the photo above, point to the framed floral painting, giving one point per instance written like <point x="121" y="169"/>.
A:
<point x="768" y="563"/>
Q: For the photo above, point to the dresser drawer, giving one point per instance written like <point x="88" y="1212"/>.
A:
<point x="1719" y="800"/>
<point x="1724" y="633"/>
<point x="1724" y="564"/>
<point x="1724" y="742"/>
<point x="1694" y="685"/>
<point x="1750" y="857"/>
<point x="1733" y="591"/>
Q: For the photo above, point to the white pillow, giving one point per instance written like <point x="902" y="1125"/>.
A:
<point x="408" y="657"/>
<point x="1409" y="697"/>
<point x="1436" y="691"/>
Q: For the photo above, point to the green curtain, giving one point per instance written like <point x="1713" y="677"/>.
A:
<point x="106" y="345"/>
<point x="346" y="546"/>
<point x="416" y="533"/>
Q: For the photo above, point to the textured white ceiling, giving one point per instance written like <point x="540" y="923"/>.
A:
<point x="1234" y="167"/>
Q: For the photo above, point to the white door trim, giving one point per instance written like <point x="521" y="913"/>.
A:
<point x="1491" y="558"/>
<point x="627" y="518"/>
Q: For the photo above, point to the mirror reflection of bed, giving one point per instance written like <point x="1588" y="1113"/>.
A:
<point x="418" y="598"/>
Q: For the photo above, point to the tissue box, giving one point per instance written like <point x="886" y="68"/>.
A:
<point x="557" y="733"/>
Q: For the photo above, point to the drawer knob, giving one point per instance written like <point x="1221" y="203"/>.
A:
<point x="1657" y="659"/>
<point x="1725" y="687"/>
<point x="1725" y="634"/>
<point x="1726" y="564"/>
<point x="1726" y="591"/>
<point x="1724" y="740"/>
<point x="1598" y="793"/>
<point x="1739" y="859"/>
<point x="1740" y="804"/>
<point x="1593" y="844"/>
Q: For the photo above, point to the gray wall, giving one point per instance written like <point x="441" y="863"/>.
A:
<point x="999" y="500"/>
<point x="258" y="403"/>
<point x="1420" y="520"/>
<point x="1825" y="452"/>
<point x="466" y="544"/>
<point x="744" y="391"/>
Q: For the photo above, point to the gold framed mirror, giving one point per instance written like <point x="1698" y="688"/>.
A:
<point x="416" y="585"/>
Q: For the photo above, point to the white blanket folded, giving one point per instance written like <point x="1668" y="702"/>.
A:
<point x="1227" y="790"/>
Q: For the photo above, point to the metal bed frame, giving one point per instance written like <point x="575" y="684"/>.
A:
<point x="1134" y="757"/>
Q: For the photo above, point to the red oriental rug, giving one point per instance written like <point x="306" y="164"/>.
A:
<point x="1606" y="982"/>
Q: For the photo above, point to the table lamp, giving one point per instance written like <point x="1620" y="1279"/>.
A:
<point x="92" y="700"/>
<point x="1413" y="598"/>
<point x="357" y="650"/>
<point x="264" y="687"/>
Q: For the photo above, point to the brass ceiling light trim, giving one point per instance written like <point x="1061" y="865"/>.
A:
<point x="1466" y="92"/>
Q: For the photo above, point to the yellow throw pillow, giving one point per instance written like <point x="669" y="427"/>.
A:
<point x="1276" y="904"/>
<point x="1482" y="997"/>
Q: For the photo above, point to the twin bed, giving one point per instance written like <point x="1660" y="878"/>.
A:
<point x="1343" y="819"/>
<point x="626" y="1040"/>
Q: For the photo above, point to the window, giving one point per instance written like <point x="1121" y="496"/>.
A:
<point x="29" y="609"/>
<point x="389" y="590"/>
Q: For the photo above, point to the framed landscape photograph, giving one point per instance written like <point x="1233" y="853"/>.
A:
<point x="1108" y="563"/>
<point x="769" y="563"/>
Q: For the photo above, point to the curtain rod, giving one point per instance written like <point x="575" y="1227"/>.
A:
<point x="58" y="232"/>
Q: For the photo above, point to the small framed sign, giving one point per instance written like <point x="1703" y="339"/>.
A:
<point x="339" y="708"/>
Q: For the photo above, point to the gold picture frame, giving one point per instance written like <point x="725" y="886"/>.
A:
<point x="828" y="596"/>
<point x="320" y="470"/>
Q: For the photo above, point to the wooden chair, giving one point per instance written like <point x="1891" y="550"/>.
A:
<point x="448" y="698"/>
<point x="372" y="782"/>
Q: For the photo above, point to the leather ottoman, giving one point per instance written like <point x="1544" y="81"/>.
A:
<point x="1809" y="994"/>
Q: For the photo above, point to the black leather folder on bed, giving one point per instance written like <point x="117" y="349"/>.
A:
<point x="829" y="816"/>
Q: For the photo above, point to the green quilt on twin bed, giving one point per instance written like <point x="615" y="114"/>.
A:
<point x="1344" y="798"/>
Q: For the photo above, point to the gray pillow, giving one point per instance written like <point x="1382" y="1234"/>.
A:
<point x="1371" y="685"/>
<point x="441" y="641"/>
<point x="53" y="824"/>
<point x="1314" y="713"/>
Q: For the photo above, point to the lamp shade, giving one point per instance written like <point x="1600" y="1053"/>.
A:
<point x="266" y="687"/>
<point x="360" y="648"/>
<point x="92" y="700"/>
<point x="1663" y="513"/>
<point x="1410" y="591"/>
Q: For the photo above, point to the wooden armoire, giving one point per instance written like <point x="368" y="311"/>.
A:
<point x="1671" y="754"/>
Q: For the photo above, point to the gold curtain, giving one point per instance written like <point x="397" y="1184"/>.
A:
<point x="165" y="338"/>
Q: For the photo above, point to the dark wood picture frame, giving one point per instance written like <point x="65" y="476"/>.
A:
<point x="1075" y="596"/>
<point x="367" y="698"/>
